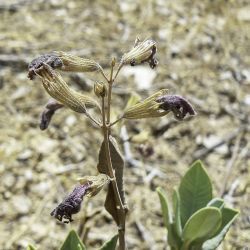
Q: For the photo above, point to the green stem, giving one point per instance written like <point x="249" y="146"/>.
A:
<point x="110" y="84"/>
<point x="113" y="123"/>
<point x="103" y="74"/>
<point x="118" y="70"/>
<point x="119" y="205"/>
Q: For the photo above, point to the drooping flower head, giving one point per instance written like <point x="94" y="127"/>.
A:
<point x="177" y="104"/>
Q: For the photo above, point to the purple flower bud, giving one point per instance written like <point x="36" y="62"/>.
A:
<point x="46" y="118"/>
<point x="177" y="104"/>
<point x="48" y="113"/>
<point x="37" y="64"/>
<point x="71" y="204"/>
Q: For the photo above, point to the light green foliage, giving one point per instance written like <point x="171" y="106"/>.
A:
<point x="198" y="221"/>
<point x="195" y="191"/>
<point x="228" y="217"/>
<point x="202" y="225"/>
<point x="111" y="244"/>
<point x="216" y="202"/>
<point x="73" y="242"/>
<point x="177" y="212"/>
<point x="30" y="247"/>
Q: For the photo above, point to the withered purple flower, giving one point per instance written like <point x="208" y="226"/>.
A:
<point x="37" y="64"/>
<point x="48" y="113"/>
<point x="144" y="51"/>
<point x="177" y="104"/>
<point x="71" y="204"/>
<point x="152" y="61"/>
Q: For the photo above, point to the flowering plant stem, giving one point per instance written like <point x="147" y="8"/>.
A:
<point x="121" y="210"/>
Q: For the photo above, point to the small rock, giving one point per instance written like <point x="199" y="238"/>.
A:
<point x="28" y="175"/>
<point x="44" y="146"/>
<point x="21" y="203"/>
<point x="39" y="230"/>
<point x="71" y="120"/>
<point x="20" y="92"/>
<point x="246" y="74"/>
<point x="144" y="76"/>
<point x="8" y="180"/>
<point x="41" y="188"/>
<point x="212" y="140"/>
<point x="226" y="75"/>
<point x="25" y="155"/>
<point x="244" y="14"/>
<point x="247" y="100"/>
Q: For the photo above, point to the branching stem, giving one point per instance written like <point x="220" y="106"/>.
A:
<point x="118" y="70"/>
<point x="110" y="84"/>
<point x="117" y="120"/>
<point x="103" y="74"/>
<point x="106" y="133"/>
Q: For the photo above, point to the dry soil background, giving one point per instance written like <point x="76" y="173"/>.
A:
<point x="204" y="55"/>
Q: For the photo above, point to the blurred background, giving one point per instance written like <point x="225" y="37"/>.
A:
<point x="204" y="55"/>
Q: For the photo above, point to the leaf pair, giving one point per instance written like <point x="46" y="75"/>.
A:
<point x="73" y="242"/>
<point x="199" y="222"/>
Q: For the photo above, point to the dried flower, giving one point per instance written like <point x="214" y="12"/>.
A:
<point x="142" y="52"/>
<point x="147" y="108"/>
<point x="177" y="104"/>
<point x="36" y="65"/>
<point x="63" y="61"/>
<point x="48" y="113"/>
<point x="71" y="204"/>
<point x="59" y="90"/>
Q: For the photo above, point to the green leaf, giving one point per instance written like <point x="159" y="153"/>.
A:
<point x="72" y="242"/>
<point x="195" y="191"/>
<point x="30" y="247"/>
<point x="228" y="217"/>
<point x="111" y="244"/>
<point x="118" y="166"/>
<point x="202" y="225"/>
<point x="177" y="212"/>
<point x="173" y="239"/>
<point x="167" y="218"/>
<point x="216" y="202"/>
